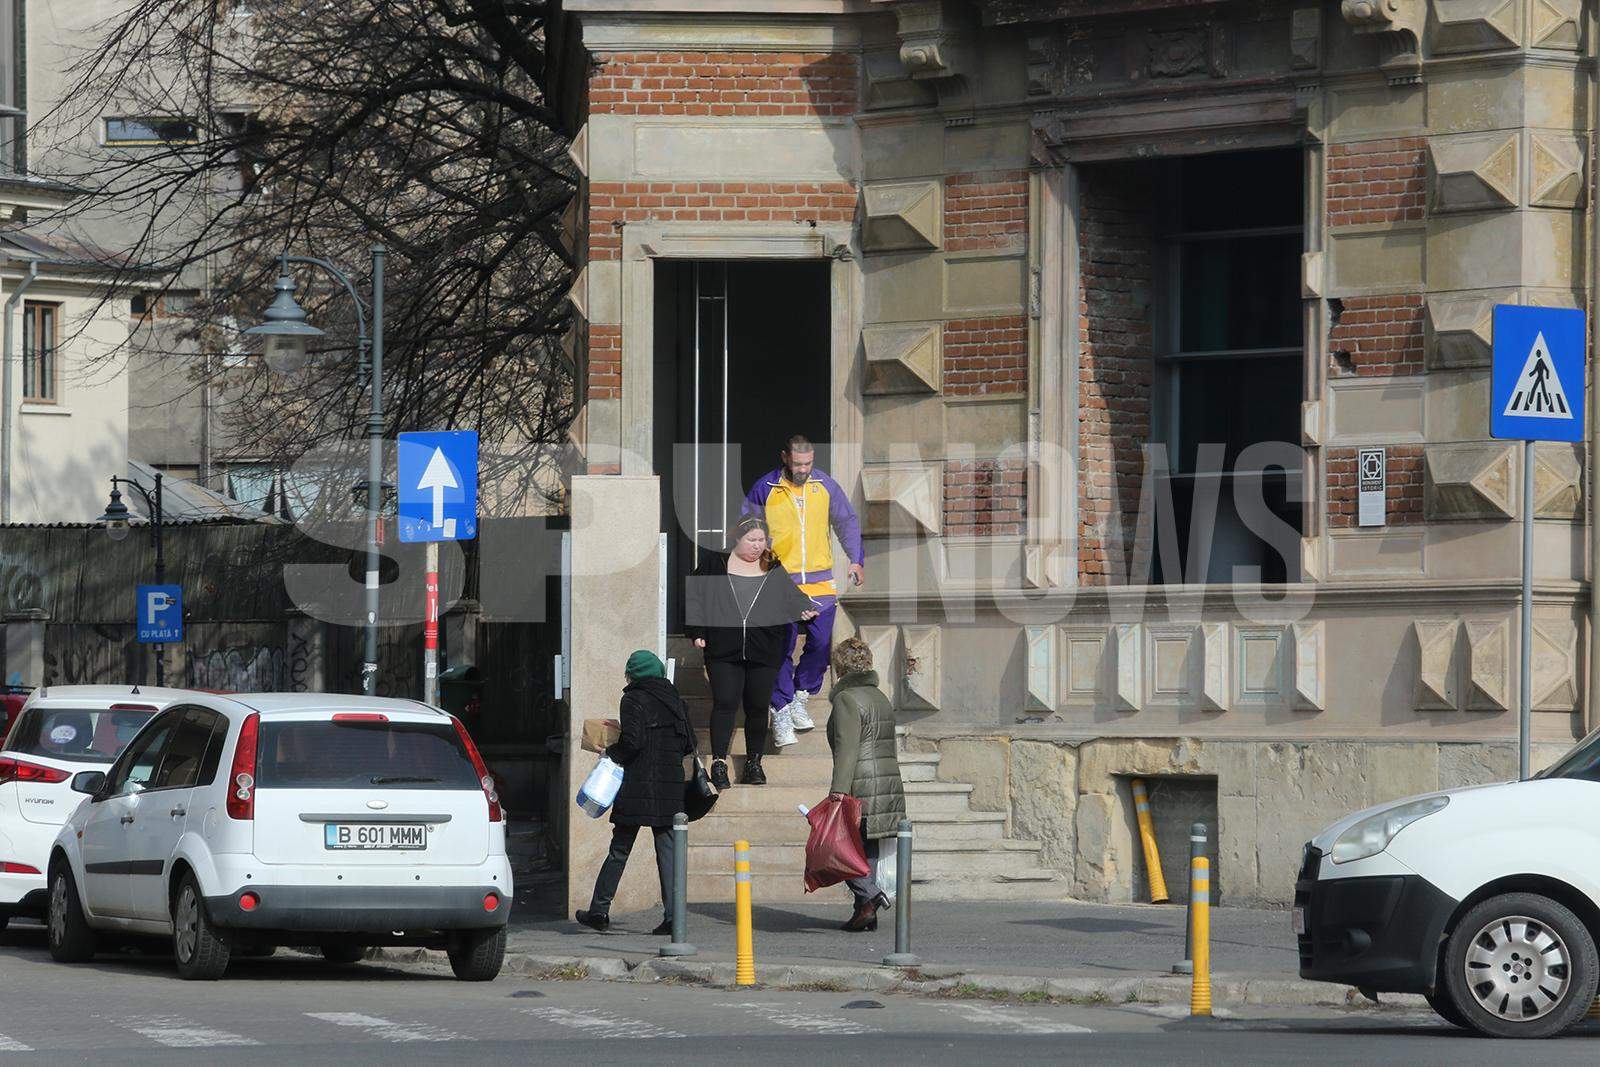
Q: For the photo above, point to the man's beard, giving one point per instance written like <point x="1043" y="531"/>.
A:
<point x="796" y="479"/>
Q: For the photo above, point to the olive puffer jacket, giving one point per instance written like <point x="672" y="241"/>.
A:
<point x="861" y="735"/>
<point x="655" y="738"/>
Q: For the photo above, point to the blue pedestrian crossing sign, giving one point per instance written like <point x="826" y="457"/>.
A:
<point x="1538" y="374"/>
<point x="158" y="614"/>
<point x="438" y="486"/>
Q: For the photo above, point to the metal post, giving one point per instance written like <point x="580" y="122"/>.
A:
<point x="1525" y="707"/>
<point x="744" y="972"/>
<point x="680" y="889"/>
<point x="1147" y="836"/>
<point x="10" y="406"/>
<point x="901" y="956"/>
<point x="369" y="665"/>
<point x="1197" y="850"/>
<point x="430" y="626"/>
<point x="1200" y="908"/>
<point x="161" y="575"/>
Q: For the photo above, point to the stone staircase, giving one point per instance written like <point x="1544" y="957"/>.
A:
<point x="961" y="854"/>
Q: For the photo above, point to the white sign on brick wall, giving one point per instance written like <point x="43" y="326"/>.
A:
<point x="1372" y="484"/>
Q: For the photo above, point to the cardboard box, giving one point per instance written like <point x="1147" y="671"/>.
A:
<point x="599" y="734"/>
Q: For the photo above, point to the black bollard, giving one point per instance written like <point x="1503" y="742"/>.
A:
<point x="901" y="956"/>
<point x="680" y="889"/>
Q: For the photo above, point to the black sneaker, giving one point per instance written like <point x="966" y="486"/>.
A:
<point x="664" y="929"/>
<point x="594" y="920"/>
<point x="719" y="775"/>
<point x="753" y="774"/>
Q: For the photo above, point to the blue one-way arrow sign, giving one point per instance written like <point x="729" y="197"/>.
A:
<point x="439" y="486"/>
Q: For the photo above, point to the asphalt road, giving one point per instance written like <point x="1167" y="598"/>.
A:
<point x="131" y="1009"/>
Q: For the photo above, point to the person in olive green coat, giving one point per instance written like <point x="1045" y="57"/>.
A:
<point x="861" y="735"/>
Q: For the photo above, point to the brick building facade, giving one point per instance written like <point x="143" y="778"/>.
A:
<point x="1106" y="297"/>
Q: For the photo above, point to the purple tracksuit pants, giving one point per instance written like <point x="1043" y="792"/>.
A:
<point x="814" y="657"/>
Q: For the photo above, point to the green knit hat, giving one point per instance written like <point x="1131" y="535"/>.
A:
<point x="646" y="664"/>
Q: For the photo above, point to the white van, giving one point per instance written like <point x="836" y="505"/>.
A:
<point x="1486" y="900"/>
<point x="254" y="820"/>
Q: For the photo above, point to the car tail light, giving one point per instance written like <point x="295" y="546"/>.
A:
<point x="484" y="778"/>
<point x="15" y="770"/>
<point x="360" y="716"/>
<point x="491" y="901"/>
<point x="242" y="778"/>
<point x="248" y="901"/>
<point x="7" y="867"/>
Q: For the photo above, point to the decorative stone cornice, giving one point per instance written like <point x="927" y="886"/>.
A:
<point x="936" y="47"/>
<point x="1398" y="26"/>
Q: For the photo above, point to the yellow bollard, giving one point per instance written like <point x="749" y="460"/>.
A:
<point x="1147" y="837"/>
<point x="1200" y="915"/>
<point x="745" y="967"/>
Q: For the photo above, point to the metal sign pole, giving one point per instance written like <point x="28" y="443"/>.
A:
<point x="1525" y="706"/>
<point x="430" y="627"/>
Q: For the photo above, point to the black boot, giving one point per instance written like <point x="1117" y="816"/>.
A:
<point x="663" y="929"/>
<point x="866" y="916"/>
<point x="594" y="920"/>
<point x="753" y="774"/>
<point x="719" y="775"/>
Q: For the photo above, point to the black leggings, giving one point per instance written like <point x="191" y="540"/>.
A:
<point x="731" y="679"/>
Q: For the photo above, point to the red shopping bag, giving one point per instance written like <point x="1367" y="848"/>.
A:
<point x="835" y="851"/>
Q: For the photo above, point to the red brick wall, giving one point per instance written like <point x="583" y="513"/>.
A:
<point x="605" y="362"/>
<point x="613" y="204"/>
<point x="1377" y="335"/>
<point x="984" y="498"/>
<point x="986" y="211"/>
<point x="1377" y="181"/>
<point x="1117" y="234"/>
<point x="1403" y="499"/>
<point x="986" y="357"/>
<point x="723" y="83"/>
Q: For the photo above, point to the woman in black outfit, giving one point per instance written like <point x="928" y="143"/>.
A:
<point x="738" y="610"/>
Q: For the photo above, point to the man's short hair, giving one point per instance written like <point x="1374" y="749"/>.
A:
<point x="851" y="656"/>
<point x="799" y="443"/>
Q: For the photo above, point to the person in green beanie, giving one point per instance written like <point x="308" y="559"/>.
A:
<point x="656" y="736"/>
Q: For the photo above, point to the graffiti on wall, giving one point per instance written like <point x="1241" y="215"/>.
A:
<point x="244" y="669"/>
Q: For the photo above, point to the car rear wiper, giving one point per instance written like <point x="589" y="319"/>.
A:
<point x="394" y="779"/>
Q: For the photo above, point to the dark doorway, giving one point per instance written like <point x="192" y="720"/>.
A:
<point x="742" y="361"/>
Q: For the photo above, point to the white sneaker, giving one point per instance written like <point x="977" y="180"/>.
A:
<point x="782" y="728"/>
<point x="799" y="718"/>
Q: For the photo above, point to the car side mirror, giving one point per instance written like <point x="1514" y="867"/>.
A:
<point x="90" y="782"/>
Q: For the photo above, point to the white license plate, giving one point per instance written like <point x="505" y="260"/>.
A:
<point x="388" y="836"/>
<point x="1297" y="920"/>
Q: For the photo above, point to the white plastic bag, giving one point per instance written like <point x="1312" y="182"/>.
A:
<point x="886" y="871"/>
<point x="599" y="790"/>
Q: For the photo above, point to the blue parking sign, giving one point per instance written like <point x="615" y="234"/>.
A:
<point x="438" y="491"/>
<point x="158" y="614"/>
<point x="1537" y="374"/>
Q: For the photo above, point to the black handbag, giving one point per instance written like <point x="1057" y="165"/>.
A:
<point x="699" y="795"/>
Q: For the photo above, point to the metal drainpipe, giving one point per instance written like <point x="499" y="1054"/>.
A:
<point x="9" y="429"/>
<point x="1593" y="717"/>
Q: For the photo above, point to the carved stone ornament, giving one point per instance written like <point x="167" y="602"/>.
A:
<point x="1191" y="50"/>
<point x="902" y="216"/>
<point x="1305" y="38"/>
<point x="1436" y="664"/>
<point x="934" y="46"/>
<point x="1397" y="25"/>
<point x="1469" y="481"/>
<point x="903" y="497"/>
<point x="902" y="357"/>
<point x="923" y="666"/>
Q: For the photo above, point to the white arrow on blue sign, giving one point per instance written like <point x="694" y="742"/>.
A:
<point x="438" y="486"/>
<point x="158" y="614"/>
<point x="1537" y="374"/>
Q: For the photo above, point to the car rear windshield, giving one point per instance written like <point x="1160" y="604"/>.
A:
<point x="362" y="755"/>
<point x="80" y="735"/>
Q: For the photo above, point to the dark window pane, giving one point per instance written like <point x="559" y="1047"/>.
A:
<point x="1240" y="293"/>
<point x="1240" y="190"/>
<point x="1236" y="403"/>
<point x="150" y="130"/>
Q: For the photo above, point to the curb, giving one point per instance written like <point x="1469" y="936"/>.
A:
<point x="932" y="980"/>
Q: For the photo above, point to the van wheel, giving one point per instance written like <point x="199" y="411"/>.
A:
<point x="476" y="955"/>
<point x="201" y="950"/>
<point x="1521" y="965"/>
<point x="344" y="954"/>
<point x="70" y="937"/>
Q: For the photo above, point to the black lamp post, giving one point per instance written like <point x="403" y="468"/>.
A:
<point x="116" y="521"/>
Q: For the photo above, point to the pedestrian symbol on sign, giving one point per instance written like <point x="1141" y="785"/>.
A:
<point x="1538" y="393"/>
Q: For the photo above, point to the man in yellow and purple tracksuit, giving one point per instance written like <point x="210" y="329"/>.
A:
<point x="802" y="507"/>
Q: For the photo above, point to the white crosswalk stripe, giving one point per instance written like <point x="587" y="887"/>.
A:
<point x="599" y="1024"/>
<point x="8" y="1045"/>
<point x="174" y="1032"/>
<point x="790" y="1017"/>
<point x="1014" y="1019"/>
<point x="385" y="1029"/>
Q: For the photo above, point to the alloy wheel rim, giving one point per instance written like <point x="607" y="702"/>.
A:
<point x="58" y="910"/>
<point x="1518" y="969"/>
<point x="187" y="925"/>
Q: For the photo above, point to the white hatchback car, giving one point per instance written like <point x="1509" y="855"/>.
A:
<point x="1485" y="900"/>
<point x="246" y="821"/>
<point x="58" y="733"/>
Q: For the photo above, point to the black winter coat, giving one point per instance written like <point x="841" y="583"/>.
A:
<point x="712" y="612"/>
<point x="655" y="738"/>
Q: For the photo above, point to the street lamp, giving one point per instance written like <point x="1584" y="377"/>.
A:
<point x="286" y="333"/>
<point x="116" y="523"/>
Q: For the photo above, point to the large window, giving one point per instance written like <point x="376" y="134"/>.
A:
<point x="151" y="130"/>
<point x="39" y="339"/>
<point x="1230" y="364"/>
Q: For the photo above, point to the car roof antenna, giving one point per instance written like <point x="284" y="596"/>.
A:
<point x="135" y="690"/>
